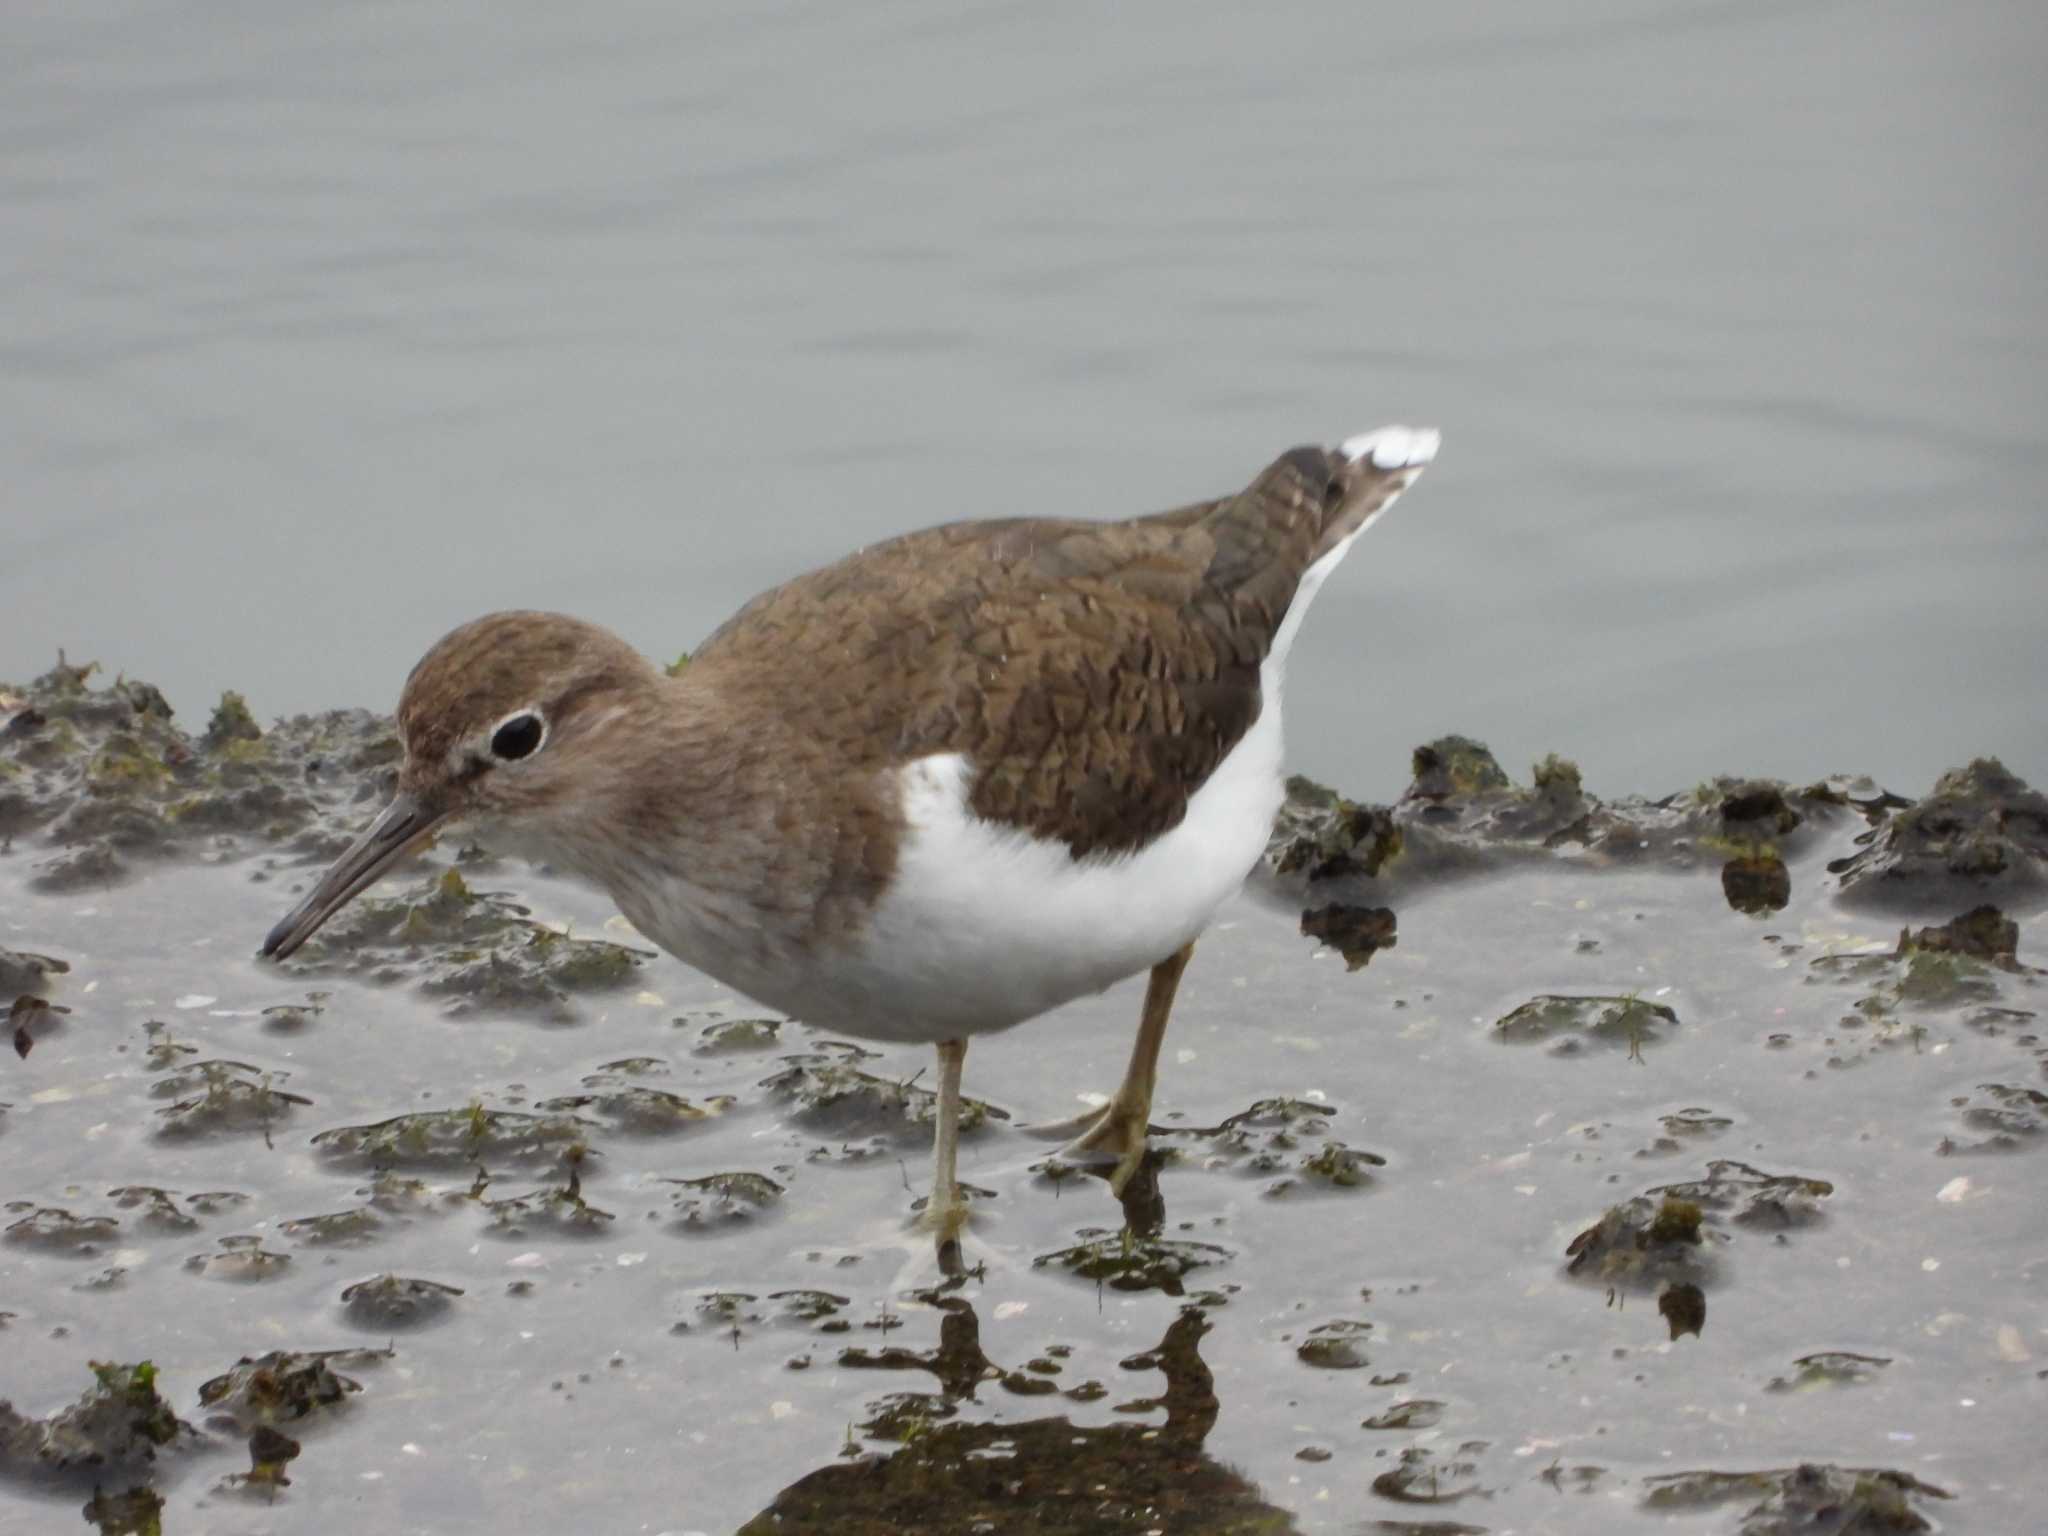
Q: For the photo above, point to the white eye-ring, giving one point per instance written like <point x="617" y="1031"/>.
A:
<point x="520" y="734"/>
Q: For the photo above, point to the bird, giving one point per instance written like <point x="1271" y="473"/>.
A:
<point x="933" y="790"/>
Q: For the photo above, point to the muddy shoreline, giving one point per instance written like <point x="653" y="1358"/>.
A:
<point x="1743" y="1045"/>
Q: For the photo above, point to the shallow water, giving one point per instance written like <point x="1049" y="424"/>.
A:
<point x="556" y="1389"/>
<point x="325" y="328"/>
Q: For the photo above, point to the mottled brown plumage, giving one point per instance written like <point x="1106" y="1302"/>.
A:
<point x="1094" y="673"/>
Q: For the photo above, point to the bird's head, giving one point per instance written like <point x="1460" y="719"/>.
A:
<point x="500" y="720"/>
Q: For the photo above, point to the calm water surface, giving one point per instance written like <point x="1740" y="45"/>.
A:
<point x="323" y="328"/>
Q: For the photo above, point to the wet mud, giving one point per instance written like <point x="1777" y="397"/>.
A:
<point x="1522" y="1161"/>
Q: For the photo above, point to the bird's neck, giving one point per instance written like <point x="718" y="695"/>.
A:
<point x="689" y="828"/>
<point x="668" y="764"/>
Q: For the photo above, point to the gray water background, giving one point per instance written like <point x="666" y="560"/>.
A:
<point x="323" y="328"/>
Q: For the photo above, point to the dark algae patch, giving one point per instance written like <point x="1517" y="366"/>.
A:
<point x="478" y="952"/>
<point x="1806" y="1500"/>
<point x="241" y="1260"/>
<point x="55" y="1230"/>
<point x="1642" y="1244"/>
<point x="1981" y="836"/>
<point x="1335" y="1346"/>
<point x="634" y="1110"/>
<point x="1424" y="1475"/>
<point x="1999" y="1117"/>
<point x="397" y="1302"/>
<point x="457" y="1138"/>
<point x="97" y="782"/>
<point x="731" y="1036"/>
<point x="1288" y="1142"/>
<point x="27" y="973"/>
<point x="1570" y="1023"/>
<point x="1749" y="1197"/>
<point x="334" y="1229"/>
<point x="735" y="1315"/>
<point x="224" y="1098"/>
<point x="650" y="1266"/>
<point x="547" y="1212"/>
<point x="231" y="723"/>
<point x="1413" y="1413"/>
<point x="714" y="1202"/>
<point x="118" y="1427"/>
<point x="1672" y="1235"/>
<point x="832" y="1096"/>
<point x="1125" y="1260"/>
<point x="1332" y="1167"/>
<point x="282" y="1387"/>
<point x="1695" y="1124"/>
<point x="1982" y="933"/>
<point x="157" y="1209"/>
<point x="1830" y="1368"/>
<point x="1322" y="836"/>
<point x="135" y="1512"/>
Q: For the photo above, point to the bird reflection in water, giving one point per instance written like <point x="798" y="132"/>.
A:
<point x="1042" y="1475"/>
<point x="1047" y="1475"/>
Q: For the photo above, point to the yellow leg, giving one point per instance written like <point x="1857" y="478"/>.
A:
<point x="1118" y="1131"/>
<point x="945" y="1212"/>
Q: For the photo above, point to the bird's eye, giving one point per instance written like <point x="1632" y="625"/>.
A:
<point x="518" y="737"/>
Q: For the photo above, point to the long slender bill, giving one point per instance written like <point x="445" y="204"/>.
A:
<point x="401" y="827"/>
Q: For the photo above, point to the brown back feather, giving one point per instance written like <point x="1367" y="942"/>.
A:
<point x="1093" y="673"/>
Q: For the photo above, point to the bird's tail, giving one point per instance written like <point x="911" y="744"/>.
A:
<point x="1368" y="472"/>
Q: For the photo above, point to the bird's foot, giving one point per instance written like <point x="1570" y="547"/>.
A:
<point x="1114" y="1134"/>
<point x="944" y="1215"/>
<point x="1068" y="1129"/>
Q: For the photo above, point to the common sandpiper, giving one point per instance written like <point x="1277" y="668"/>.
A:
<point x="931" y="791"/>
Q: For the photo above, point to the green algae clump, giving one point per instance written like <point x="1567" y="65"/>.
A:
<point x="1676" y="1221"/>
<point x="121" y="1423"/>
<point x="1571" y="1021"/>
<point x="231" y="722"/>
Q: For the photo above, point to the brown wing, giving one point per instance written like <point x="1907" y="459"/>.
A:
<point x="1093" y="673"/>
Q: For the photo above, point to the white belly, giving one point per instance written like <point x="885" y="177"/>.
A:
<point x="984" y="927"/>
